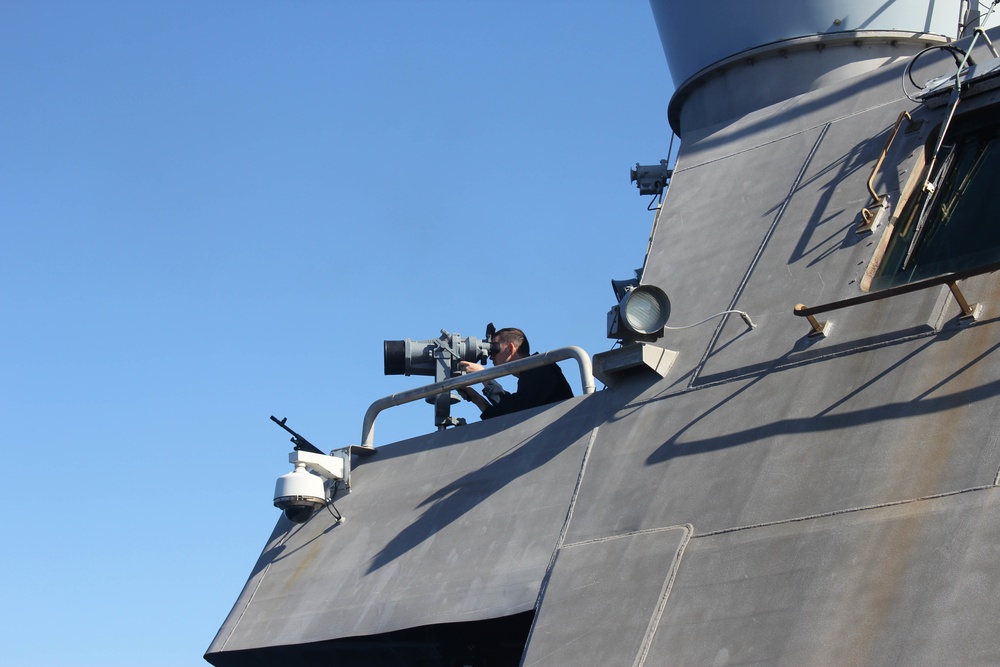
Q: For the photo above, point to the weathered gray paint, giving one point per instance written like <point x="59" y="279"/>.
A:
<point x="436" y="531"/>
<point x="586" y="617"/>
<point x="911" y="584"/>
<point x="775" y="499"/>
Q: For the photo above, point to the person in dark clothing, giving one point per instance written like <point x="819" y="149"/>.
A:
<point x="535" y="387"/>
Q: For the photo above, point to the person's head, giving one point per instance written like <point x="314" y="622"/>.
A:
<point x="508" y="344"/>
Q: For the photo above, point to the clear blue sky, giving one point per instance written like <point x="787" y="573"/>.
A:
<point x="211" y="212"/>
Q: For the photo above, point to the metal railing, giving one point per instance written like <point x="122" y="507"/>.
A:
<point x="949" y="279"/>
<point x="534" y="361"/>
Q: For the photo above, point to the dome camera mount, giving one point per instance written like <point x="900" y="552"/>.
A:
<point x="310" y="485"/>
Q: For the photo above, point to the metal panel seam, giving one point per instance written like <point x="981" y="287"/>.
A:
<point x="778" y="217"/>
<point x="789" y="135"/>
<point x="668" y="584"/>
<point x="260" y="580"/>
<point x="771" y="367"/>
<point x="562" y="533"/>
<point x="850" y="510"/>
<point x="236" y="624"/>
<point x="631" y="533"/>
<point x="572" y="502"/>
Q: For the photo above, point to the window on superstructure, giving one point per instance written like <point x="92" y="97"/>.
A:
<point x="954" y="225"/>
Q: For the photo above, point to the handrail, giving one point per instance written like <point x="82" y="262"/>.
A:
<point x="878" y="164"/>
<point x="949" y="279"/>
<point x="534" y="361"/>
<point x="871" y="219"/>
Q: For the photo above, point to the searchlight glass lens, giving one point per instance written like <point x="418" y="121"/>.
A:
<point x="644" y="312"/>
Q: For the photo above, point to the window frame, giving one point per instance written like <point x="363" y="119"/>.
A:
<point x="917" y="207"/>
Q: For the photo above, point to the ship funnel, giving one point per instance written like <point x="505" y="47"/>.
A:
<point x="729" y="58"/>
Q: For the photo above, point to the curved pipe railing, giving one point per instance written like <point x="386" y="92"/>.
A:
<point x="534" y="361"/>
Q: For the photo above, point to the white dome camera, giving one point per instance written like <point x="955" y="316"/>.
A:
<point x="299" y="494"/>
<point x="303" y="491"/>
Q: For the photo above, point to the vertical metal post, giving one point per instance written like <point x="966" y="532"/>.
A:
<point x="818" y="328"/>
<point x="968" y="312"/>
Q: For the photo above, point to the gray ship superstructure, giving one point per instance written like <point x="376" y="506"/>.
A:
<point x="813" y="482"/>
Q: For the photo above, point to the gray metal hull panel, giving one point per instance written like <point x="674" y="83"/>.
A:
<point x="605" y="598"/>
<point x="894" y="422"/>
<point x="912" y="584"/>
<point x="453" y="527"/>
